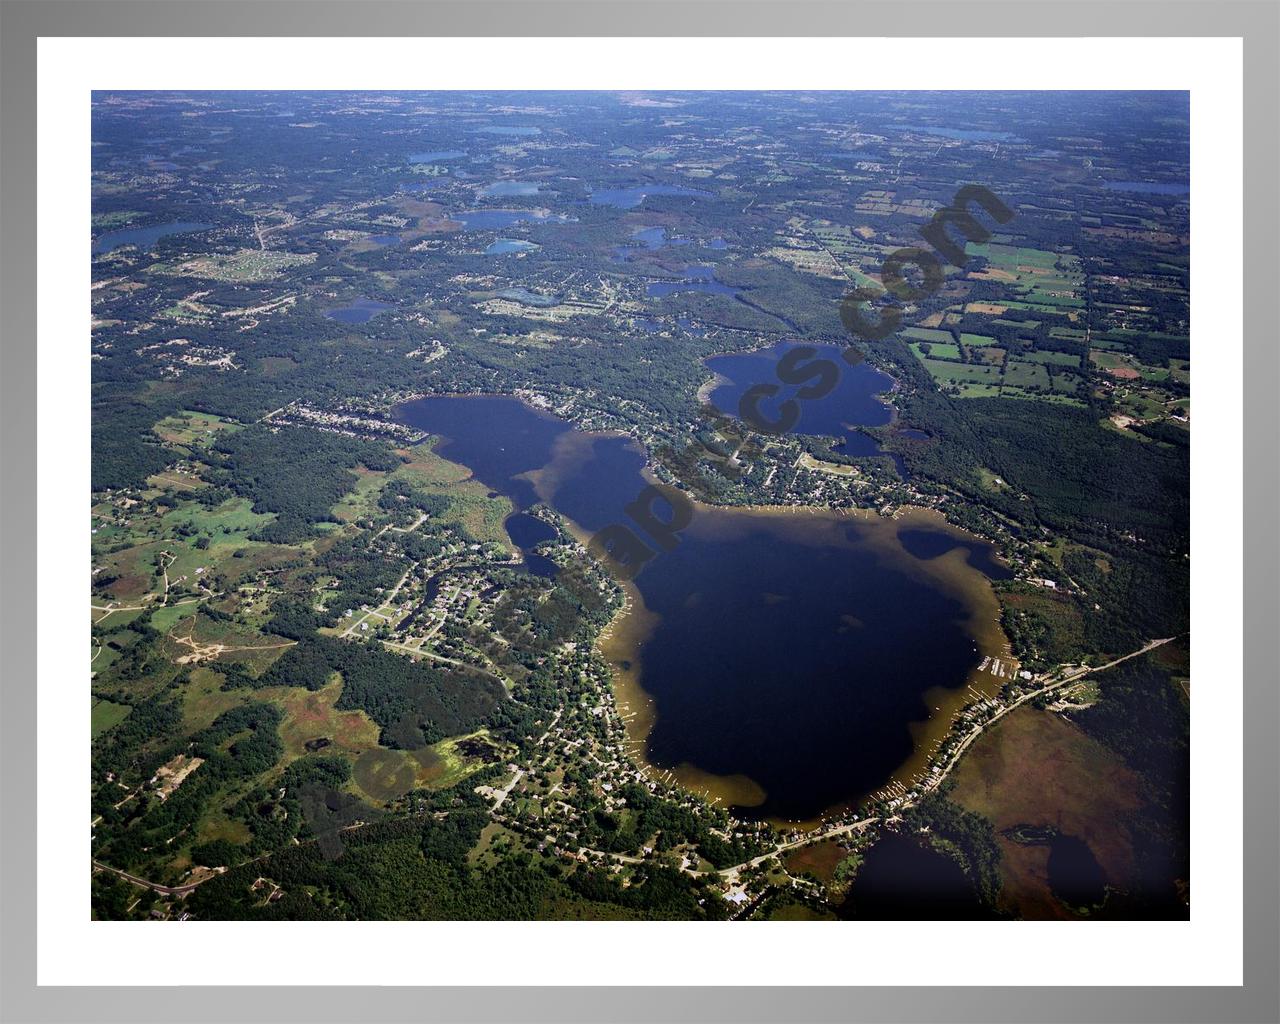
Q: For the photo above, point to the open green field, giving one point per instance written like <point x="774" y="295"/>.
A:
<point x="1011" y="255"/>
<point x="1052" y="399"/>
<point x="115" y="219"/>
<point x="976" y="340"/>
<point x="948" y="373"/>
<point x="1053" y="358"/>
<point x="106" y="715"/>
<point x="190" y="428"/>
<point x="979" y="391"/>
<point x="1069" y="384"/>
<point x="1019" y="373"/>
<point x="936" y="350"/>
<point x="929" y="334"/>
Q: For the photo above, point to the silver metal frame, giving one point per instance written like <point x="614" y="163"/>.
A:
<point x="21" y="23"/>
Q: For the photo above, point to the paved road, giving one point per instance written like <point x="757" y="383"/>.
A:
<point x="167" y="890"/>
<point x="731" y="873"/>
<point x="1056" y="684"/>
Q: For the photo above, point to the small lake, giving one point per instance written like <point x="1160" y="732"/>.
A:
<point x="511" y="188"/>
<point x="495" y="220"/>
<point x="512" y="129"/>
<point x="1075" y="876"/>
<point x="360" y="311"/>
<point x="630" y="198"/>
<point x="775" y="659"/>
<point x="503" y="246"/>
<point x="144" y="238"/>
<point x="901" y="879"/>
<point x="526" y="533"/>
<point x="647" y="240"/>
<point x="652" y="326"/>
<point x="854" y="401"/>
<point x="696" y="279"/>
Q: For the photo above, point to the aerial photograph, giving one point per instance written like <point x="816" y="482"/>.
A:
<point x="684" y="506"/>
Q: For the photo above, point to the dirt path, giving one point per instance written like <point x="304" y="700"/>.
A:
<point x="201" y="651"/>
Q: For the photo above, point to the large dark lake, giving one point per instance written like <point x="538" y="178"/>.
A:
<point x="776" y="659"/>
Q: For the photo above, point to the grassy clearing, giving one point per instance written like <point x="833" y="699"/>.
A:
<point x="1053" y="358"/>
<point x="1020" y="373"/>
<point x="106" y="715"/>
<point x="959" y="373"/>
<point x="447" y="763"/>
<point x="925" y="350"/>
<point x="190" y="428"/>
<point x="469" y="501"/>
<point x="979" y="391"/>
<point x="929" y="334"/>
<point x="819" y="859"/>
<point x="203" y="699"/>
<point x="310" y="715"/>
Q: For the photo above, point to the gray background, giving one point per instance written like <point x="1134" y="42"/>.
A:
<point x="1258" y="22"/>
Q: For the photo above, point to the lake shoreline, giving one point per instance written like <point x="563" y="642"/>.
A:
<point x="621" y="640"/>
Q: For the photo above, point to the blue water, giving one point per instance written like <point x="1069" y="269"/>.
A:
<point x="852" y="403"/>
<point x="385" y="239"/>
<point x="780" y="648"/>
<point x="696" y="279"/>
<point x="526" y="533"/>
<point x="511" y="188"/>
<point x="927" y="544"/>
<point x="651" y="326"/>
<point x="629" y="198"/>
<point x="435" y="156"/>
<point x="654" y="238"/>
<point x="1154" y="188"/>
<point x="716" y="243"/>
<point x="360" y="311"/>
<point x="647" y="239"/>
<point x="688" y="327"/>
<point x="144" y="238"/>
<point x="493" y="220"/>
<point x="506" y="245"/>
